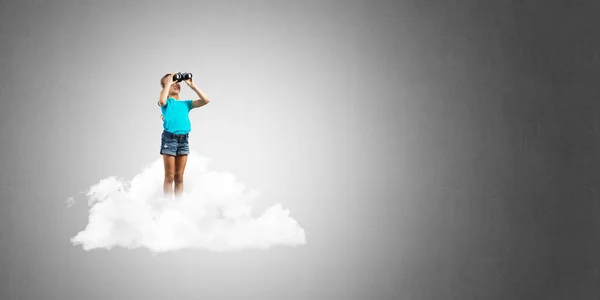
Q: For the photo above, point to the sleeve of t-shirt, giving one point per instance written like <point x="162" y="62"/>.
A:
<point x="189" y="104"/>
<point x="166" y="102"/>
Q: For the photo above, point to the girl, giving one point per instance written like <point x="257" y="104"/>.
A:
<point x="174" y="146"/>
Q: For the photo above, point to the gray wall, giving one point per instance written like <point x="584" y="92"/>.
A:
<point x="429" y="150"/>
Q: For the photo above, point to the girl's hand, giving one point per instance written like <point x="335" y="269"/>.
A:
<point x="169" y="81"/>
<point x="162" y="117"/>
<point x="190" y="82"/>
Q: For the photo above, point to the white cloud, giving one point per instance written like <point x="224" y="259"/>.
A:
<point x="214" y="213"/>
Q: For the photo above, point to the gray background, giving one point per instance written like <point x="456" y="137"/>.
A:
<point x="429" y="149"/>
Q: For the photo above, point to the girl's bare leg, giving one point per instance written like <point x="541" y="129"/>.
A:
<point x="169" y="162"/>
<point x="180" y="162"/>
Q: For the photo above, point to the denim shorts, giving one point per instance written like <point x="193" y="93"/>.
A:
<point x="174" y="144"/>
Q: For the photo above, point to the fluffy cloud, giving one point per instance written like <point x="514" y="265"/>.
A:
<point x="214" y="213"/>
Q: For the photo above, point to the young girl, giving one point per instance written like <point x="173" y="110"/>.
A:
<point x="174" y="146"/>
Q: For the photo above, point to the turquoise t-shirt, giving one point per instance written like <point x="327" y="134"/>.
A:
<point x="176" y="116"/>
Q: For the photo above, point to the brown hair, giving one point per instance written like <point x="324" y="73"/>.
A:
<point x="162" y="80"/>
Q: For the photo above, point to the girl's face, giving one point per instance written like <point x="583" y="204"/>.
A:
<point x="175" y="88"/>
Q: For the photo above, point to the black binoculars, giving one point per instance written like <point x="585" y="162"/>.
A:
<point x="181" y="76"/>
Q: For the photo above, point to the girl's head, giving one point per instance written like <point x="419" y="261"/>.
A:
<point x="174" y="89"/>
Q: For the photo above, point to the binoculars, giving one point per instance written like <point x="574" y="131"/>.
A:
<point x="181" y="76"/>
